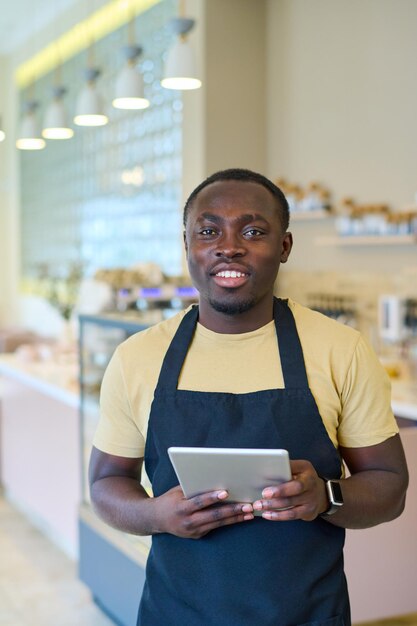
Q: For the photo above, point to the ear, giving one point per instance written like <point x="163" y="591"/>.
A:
<point x="286" y="247"/>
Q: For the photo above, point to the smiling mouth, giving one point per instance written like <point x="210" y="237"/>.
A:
<point x="230" y="274"/>
<point x="230" y="279"/>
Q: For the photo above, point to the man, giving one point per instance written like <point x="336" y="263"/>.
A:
<point x="246" y="370"/>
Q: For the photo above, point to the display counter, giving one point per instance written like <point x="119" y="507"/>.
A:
<point x="39" y="445"/>
<point x="57" y="380"/>
<point x="380" y="562"/>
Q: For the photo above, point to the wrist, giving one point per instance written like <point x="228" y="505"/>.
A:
<point x="334" y="496"/>
<point x="156" y="519"/>
<point x="324" y="500"/>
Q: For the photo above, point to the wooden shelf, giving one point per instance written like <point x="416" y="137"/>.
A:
<point x="367" y="240"/>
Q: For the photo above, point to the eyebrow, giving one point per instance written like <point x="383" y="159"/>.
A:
<point x="245" y="218"/>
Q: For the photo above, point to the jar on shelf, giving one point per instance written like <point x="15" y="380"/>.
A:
<point x="324" y="200"/>
<point x="294" y="197"/>
<point x="344" y="220"/>
<point x="375" y="219"/>
<point x="310" y="200"/>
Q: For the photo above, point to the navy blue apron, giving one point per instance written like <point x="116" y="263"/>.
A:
<point x="257" y="572"/>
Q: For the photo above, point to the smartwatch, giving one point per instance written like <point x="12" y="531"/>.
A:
<point x="335" y="496"/>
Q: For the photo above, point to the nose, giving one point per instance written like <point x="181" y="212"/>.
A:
<point x="230" y="246"/>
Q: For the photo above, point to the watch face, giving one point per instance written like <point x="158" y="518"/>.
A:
<point x="336" y="492"/>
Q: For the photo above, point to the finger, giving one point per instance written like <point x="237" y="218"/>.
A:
<point x="203" y="500"/>
<point x="272" y="505"/>
<point x="299" y="466"/>
<point x="303" y="511"/>
<point x="289" y="489"/>
<point x="279" y="503"/>
<point x="212" y="524"/>
<point x="218" y="515"/>
<point x="284" y="515"/>
<point x="224" y="511"/>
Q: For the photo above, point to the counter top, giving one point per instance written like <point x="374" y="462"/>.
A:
<point x="58" y="380"/>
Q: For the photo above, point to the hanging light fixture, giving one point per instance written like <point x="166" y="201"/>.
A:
<point x="129" y="83"/>
<point x="129" y="92"/>
<point x="2" y="133"/>
<point x="180" y="67"/>
<point x="55" y="124"/>
<point x="89" y="108"/>
<point x="29" y="136"/>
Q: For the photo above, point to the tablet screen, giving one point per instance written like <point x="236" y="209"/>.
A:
<point x="243" y="472"/>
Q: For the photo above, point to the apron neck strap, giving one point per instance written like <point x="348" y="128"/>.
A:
<point x="290" y="350"/>
<point x="291" y="354"/>
<point x="177" y="351"/>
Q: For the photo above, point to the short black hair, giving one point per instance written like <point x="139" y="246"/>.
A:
<point x="245" y="176"/>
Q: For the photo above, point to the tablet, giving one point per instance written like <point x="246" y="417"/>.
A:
<point x="243" y="472"/>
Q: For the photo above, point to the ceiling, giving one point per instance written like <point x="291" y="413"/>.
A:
<point x="22" y="19"/>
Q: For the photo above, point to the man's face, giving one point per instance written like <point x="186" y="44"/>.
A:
<point x="235" y="244"/>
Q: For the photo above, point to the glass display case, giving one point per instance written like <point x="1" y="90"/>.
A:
<point x="111" y="563"/>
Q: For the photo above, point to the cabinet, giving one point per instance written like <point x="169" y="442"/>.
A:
<point x="111" y="563"/>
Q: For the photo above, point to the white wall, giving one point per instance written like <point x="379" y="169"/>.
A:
<point x="9" y="219"/>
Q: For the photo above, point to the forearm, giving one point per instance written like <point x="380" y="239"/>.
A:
<point x="370" y="497"/>
<point x="123" y="503"/>
<point x="373" y="493"/>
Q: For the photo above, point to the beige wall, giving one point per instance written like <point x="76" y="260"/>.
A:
<point x="342" y="102"/>
<point x="342" y="95"/>
<point x="194" y="137"/>
<point x="225" y="121"/>
<point x="235" y="125"/>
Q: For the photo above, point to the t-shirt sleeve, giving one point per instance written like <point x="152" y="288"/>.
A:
<point x="117" y="432"/>
<point x="367" y="417"/>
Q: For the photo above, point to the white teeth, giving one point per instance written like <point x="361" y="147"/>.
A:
<point x="230" y="274"/>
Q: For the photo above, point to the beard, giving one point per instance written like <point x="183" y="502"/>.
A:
<point x="232" y="307"/>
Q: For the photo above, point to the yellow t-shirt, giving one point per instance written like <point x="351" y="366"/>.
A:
<point x="350" y="387"/>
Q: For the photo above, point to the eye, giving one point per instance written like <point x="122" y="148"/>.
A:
<point x="207" y="232"/>
<point x="253" y="232"/>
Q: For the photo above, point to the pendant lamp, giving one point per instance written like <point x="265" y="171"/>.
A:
<point x="129" y="84"/>
<point x="55" y="124"/>
<point x="29" y="136"/>
<point x="89" y="108"/>
<point x="180" y="67"/>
